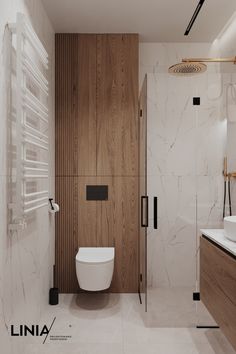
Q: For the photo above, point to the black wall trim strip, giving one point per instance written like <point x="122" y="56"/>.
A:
<point x="202" y="327"/>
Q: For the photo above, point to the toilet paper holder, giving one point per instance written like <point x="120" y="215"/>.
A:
<point x="54" y="207"/>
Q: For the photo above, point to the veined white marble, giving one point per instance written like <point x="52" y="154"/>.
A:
<point x="186" y="146"/>
<point x="113" y="323"/>
<point x="157" y="57"/>
<point x="230" y="113"/>
<point x="185" y="150"/>
<point x="26" y="257"/>
<point x="218" y="236"/>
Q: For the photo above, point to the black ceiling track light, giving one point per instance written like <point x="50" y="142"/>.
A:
<point x="196" y="12"/>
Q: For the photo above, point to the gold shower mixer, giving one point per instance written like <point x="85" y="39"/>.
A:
<point x="227" y="174"/>
<point x="227" y="177"/>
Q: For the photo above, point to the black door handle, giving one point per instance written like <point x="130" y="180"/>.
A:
<point x="144" y="224"/>
<point x="155" y="212"/>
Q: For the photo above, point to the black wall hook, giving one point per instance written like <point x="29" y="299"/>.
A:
<point x="50" y="201"/>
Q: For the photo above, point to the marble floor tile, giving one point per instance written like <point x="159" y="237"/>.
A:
<point x="171" y="307"/>
<point x="89" y="318"/>
<point x="115" y="324"/>
<point x="76" y="348"/>
<point x="159" y="348"/>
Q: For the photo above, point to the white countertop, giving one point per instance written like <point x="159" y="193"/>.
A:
<point x="218" y="236"/>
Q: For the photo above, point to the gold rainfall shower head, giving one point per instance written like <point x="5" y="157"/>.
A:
<point x="187" y="69"/>
<point x="192" y="66"/>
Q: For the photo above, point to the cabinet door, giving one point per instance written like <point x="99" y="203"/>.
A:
<point x="218" y="286"/>
<point x="117" y="105"/>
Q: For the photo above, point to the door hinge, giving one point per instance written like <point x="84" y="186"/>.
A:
<point x="141" y="113"/>
<point x="140" y="277"/>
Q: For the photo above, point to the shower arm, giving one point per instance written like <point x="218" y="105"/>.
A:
<point x="210" y="60"/>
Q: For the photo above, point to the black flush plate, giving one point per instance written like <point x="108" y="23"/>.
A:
<point x="96" y="192"/>
<point x="196" y="101"/>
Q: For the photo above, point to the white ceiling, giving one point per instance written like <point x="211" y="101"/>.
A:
<point x="154" y="20"/>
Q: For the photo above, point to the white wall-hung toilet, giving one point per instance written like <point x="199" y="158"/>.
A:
<point x="94" y="267"/>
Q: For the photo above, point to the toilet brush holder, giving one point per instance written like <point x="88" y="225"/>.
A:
<point x="54" y="296"/>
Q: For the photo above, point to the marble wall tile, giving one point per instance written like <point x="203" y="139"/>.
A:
<point x="230" y="113"/>
<point x="171" y="133"/>
<point x="175" y="238"/>
<point x="186" y="145"/>
<point x="26" y="257"/>
<point x="209" y="201"/>
<point x="231" y="154"/>
<point x="157" y="57"/>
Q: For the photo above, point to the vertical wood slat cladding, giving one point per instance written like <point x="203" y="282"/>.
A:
<point x="117" y="105"/>
<point x="66" y="108"/>
<point x="66" y="234"/>
<point x="97" y="143"/>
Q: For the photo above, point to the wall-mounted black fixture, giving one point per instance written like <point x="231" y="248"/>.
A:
<point x="54" y="296"/>
<point x="50" y="201"/>
<point x="96" y="192"/>
<point x="195" y="14"/>
<point x="155" y="213"/>
<point x="196" y="296"/>
<point x="196" y="101"/>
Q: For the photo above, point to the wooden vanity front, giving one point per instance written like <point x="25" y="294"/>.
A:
<point x="218" y="286"/>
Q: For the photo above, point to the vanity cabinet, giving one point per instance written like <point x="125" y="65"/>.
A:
<point x="218" y="286"/>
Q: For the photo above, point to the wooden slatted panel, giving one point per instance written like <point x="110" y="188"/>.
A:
<point x="66" y="234"/>
<point x="66" y="104"/>
<point x="117" y="105"/>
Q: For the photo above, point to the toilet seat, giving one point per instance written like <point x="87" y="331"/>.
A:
<point x="95" y="255"/>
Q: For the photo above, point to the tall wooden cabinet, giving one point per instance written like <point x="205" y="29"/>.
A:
<point x="97" y="144"/>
